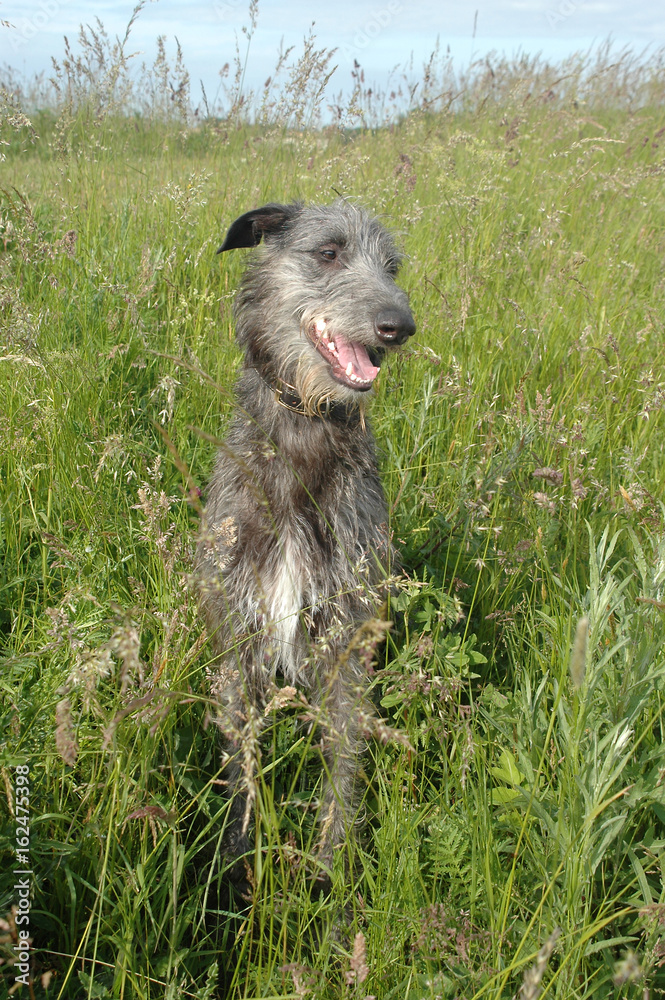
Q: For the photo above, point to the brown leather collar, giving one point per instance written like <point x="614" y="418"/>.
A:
<point x="286" y="395"/>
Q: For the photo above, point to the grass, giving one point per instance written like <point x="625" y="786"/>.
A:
<point x="518" y="849"/>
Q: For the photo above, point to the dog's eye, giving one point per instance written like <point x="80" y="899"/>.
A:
<point x="329" y="254"/>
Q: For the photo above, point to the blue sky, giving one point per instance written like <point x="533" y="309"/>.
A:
<point x="380" y="34"/>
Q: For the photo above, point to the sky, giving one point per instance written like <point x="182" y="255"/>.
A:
<point x="379" y="34"/>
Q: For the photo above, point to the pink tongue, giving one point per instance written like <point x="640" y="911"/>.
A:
<point x="357" y="355"/>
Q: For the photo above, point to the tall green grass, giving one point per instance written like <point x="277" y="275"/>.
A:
<point x="515" y="831"/>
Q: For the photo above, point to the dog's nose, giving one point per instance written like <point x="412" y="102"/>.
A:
<point x="394" y="326"/>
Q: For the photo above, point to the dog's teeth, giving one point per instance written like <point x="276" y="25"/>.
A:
<point x="349" y="370"/>
<point x="320" y="325"/>
<point x="332" y="347"/>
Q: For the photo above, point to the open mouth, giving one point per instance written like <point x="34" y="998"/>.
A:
<point x="351" y="363"/>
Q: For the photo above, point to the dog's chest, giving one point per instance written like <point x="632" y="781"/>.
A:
<point x="286" y="598"/>
<point x="302" y="576"/>
<point x="285" y="583"/>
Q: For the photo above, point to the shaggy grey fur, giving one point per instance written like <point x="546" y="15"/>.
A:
<point x="295" y="544"/>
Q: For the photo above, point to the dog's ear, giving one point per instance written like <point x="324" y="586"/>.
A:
<point x="250" y="228"/>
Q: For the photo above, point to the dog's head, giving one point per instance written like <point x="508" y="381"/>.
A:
<point x="319" y="301"/>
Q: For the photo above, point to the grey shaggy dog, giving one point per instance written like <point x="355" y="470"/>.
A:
<point x="295" y="546"/>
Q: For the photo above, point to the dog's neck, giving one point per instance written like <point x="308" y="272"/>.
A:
<point x="287" y="396"/>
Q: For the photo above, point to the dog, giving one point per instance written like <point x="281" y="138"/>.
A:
<point x="295" y="548"/>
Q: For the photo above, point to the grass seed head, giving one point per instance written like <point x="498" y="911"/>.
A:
<point x="359" y="970"/>
<point x="533" y="977"/>
<point x="65" y="737"/>
<point x="578" y="656"/>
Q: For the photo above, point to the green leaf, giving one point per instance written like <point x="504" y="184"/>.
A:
<point x="501" y="796"/>
<point x="507" y="770"/>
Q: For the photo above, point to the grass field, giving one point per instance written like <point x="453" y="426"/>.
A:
<point x="515" y="840"/>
